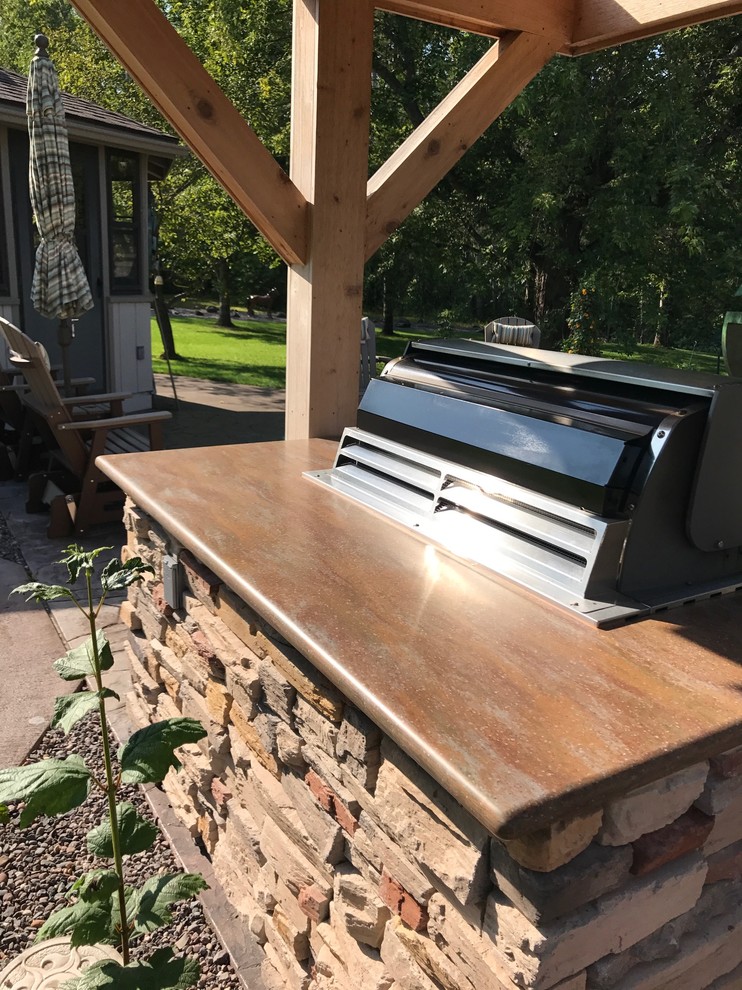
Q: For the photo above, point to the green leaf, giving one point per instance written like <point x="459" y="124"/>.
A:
<point x="148" y="907"/>
<point x="42" y="592"/>
<point x="78" y="559"/>
<point x="4" y="815"/>
<point x="162" y="971"/>
<point x="70" y="708"/>
<point x="79" y="663"/>
<point x="148" y="755"/>
<point x="117" y="575"/>
<point x="95" y="885"/>
<point x="135" y="833"/>
<point x="50" y="787"/>
<point x="92" y="918"/>
<point x="86" y="922"/>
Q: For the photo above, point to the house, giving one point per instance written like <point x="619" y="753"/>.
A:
<point x="113" y="159"/>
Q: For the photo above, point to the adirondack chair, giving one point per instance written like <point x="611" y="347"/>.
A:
<point x="731" y="343"/>
<point x="77" y="430"/>
<point x="513" y="330"/>
<point x="15" y="430"/>
<point x="11" y="422"/>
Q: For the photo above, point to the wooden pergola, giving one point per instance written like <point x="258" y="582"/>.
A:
<point x="328" y="217"/>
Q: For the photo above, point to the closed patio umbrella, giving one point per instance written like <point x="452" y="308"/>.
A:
<point x="60" y="288"/>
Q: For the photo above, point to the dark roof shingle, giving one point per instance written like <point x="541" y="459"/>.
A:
<point x="13" y="93"/>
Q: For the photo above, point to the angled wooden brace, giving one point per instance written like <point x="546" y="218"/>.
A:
<point x="153" y="53"/>
<point x="439" y="142"/>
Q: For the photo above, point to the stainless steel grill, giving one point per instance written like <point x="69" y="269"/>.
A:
<point x="608" y="487"/>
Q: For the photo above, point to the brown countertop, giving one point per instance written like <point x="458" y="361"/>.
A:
<point x="523" y="712"/>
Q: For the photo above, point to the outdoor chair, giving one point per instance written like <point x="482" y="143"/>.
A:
<point x="11" y="422"/>
<point x="15" y="440"/>
<point x="731" y="343"/>
<point x="76" y="430"/>
<point x="368" y="353"/>
<point x="513" y="330"/>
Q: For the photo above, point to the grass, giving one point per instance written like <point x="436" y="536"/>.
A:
<point x="254" y="352"/>
<point x="669" y="357"/>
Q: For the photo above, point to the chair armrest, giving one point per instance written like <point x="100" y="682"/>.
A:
<point x="117" y="422"/>
<point x="14" y="388"/>
<point x="94" y="400"/>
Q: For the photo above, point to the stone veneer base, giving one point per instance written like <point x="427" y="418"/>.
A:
<point x="354" y="869"/>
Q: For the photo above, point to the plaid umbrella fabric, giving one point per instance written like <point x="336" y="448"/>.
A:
<point x="60" y="286"/>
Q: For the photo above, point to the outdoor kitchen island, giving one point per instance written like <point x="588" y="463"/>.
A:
<point x="420" y="776"/>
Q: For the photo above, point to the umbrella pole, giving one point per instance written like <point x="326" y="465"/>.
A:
<point x="64" y="339"/>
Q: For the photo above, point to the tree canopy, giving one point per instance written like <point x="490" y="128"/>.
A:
<point x="617" y="172"/>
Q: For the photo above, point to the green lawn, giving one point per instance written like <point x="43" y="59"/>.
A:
<point x="670" y="357"/>
<point x="254" y="352"/>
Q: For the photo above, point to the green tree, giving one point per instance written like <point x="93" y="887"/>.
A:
<point x="207" y="240"/>
<point x="85" y="66"/>
<point x="207" y="244"/>
<point x="619" y="169"/>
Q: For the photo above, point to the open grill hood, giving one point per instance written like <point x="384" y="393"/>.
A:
<point x="608" y="487"/>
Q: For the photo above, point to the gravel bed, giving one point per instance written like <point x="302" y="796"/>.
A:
<point x="38" y="865"/>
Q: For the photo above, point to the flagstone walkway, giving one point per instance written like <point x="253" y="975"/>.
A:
<point x="31" y="637"/>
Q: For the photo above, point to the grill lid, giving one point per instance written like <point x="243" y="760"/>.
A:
<point x="580" y="479"/>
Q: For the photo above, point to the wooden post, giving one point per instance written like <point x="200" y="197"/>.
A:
<point x="331" y="93"/>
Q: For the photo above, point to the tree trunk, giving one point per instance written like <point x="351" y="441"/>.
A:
<point x="540" y="280"/>
<point x="387" y="327"/>
<point x="163" y="321"/>
<point x="660" y="332"/>
<point x="225" y="303"/>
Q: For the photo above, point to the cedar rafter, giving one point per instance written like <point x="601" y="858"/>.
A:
<point x="604" y="23"/>
<point x="545" y="18"/>
<point x="153" y="53"/>
<point x="434" y="147"/>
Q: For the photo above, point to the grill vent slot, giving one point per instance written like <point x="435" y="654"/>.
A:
<point x="548" y="546"/>
<point x="444" y="505"/>
<point x="390" y="465"/>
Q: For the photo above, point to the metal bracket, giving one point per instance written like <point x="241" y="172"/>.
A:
<point x="172" y="581"/>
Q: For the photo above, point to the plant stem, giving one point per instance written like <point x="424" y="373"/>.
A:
<point x="110" y="783"/>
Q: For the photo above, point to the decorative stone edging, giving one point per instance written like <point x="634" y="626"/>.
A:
<point x="49" y="964"/>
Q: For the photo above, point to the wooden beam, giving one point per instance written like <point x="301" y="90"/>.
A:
<point x="545" y="18"/>
<point x="153" y="53"/>
<point x="440" y="141"/>
<point x="331" y="97"/>
<point x="604" y="23"/>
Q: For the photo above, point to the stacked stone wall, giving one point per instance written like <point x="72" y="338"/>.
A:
<point x="355" y="870"/>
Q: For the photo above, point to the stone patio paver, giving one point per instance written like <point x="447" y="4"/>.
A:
<point x="29" y="644"/>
